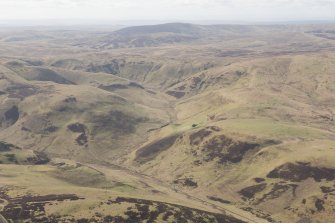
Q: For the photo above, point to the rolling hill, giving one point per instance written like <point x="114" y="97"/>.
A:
<point x="168" y="123"/>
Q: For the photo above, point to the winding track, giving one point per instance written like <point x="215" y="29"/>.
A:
<point x="220" y="209"/>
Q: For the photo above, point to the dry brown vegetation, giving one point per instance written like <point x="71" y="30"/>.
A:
<point x="168" y="123"/>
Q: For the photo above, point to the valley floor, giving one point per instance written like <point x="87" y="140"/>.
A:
<point x="190" y="124"/>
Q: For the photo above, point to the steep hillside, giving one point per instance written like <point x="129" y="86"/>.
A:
<point x="253" y="134"/>
<point x="42" y="115"/>
<point x="168" y="123"/>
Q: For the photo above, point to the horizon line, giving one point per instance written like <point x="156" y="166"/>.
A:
<point x="99" y="22"/>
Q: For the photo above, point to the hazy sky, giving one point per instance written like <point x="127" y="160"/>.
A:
<point x="174" y="10"/>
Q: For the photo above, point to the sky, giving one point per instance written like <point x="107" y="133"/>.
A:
<point x="93" y="11"/>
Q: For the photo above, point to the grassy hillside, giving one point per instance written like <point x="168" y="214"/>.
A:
<point x="255" y="134"/>
<point x="168" y="123"/>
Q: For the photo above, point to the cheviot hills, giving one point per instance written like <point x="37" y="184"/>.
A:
<point x="173" y="122"/>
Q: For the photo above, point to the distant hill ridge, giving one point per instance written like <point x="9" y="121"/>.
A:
<point x="161" y="28"/>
